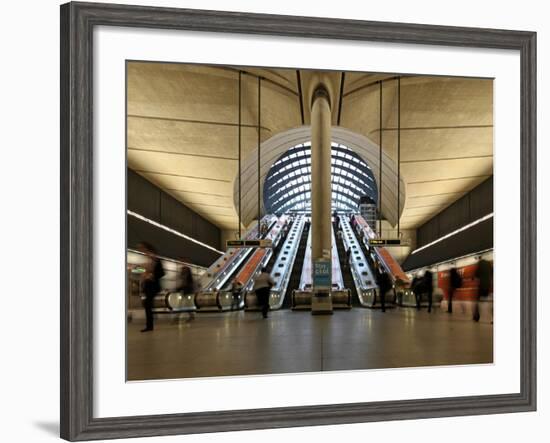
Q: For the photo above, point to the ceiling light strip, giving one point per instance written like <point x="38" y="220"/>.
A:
<point x="468" y="226"/>
<point x="172" y="231"/>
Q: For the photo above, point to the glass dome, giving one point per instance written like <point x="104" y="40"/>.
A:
<point x="288" y="184"/>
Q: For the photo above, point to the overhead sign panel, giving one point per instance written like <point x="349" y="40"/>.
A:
<point x="235" y="243"/>
<point x="385" y="242"/>
<point x="261" y="243"/>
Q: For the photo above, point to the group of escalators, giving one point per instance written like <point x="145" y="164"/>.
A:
<point x="228" y="283"/>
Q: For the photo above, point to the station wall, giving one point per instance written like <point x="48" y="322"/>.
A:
<point x="148" y="200"/>
<point x="474" y="205"/>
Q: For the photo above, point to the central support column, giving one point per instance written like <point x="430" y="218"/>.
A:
<point x="321" y="199"/>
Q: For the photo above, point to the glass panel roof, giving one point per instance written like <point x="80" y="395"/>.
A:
<point x="288" y="183"/>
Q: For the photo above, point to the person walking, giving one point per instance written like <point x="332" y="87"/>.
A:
<point x="262" y="288"/>
<point x="384" y="285"/>
<point x="263" y="229"/>
<point x="236" y="287"/>
<point x="348" y="257"/>
<point x="151" y="281"/>
<point x="416" y="286"/>
<point x="455" y="282"/>
<point x="187" y="286"/>
<point x="484" y="273"/>
<point x="286" y="227"/>
<point x="428" y="286"/>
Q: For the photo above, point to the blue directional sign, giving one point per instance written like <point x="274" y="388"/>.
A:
<point x="322" y="274"/>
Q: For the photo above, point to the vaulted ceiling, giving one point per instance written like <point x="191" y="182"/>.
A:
<point x="183" y="129"/>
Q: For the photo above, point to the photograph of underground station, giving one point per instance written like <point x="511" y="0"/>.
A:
<point x="293" y="220"/>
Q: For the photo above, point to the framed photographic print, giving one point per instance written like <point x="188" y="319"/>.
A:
<point x="273" y="221"/>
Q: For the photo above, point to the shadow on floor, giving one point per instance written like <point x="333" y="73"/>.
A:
<point x="49" y="427"/>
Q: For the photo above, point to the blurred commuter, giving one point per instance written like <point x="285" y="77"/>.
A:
<point x="428" y="287"/>
<point x="455" y="282"/>
<point x="336" y="220"/>
<point x="384" y="285"/>
<point x="151" y="281"/>
<point x="416" y="287"/>
<point x="484" y="273"/>
<point x="187" y="285"/>
<point x="262" y="288"/>
<point x="348" y="257"/>
<point x="286" y="227"/>
<point x="236" y="288"/>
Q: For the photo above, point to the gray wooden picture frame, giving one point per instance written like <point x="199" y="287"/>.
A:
<point x="77" y="24"/>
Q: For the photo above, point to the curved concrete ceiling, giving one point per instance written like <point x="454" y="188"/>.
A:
<point x="183" y="129"/>
<point x="272" y="149"/>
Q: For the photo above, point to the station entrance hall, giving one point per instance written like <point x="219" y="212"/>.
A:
<point x="294" y="220"/>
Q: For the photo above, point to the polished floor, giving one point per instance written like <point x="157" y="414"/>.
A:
<point x="243" y="343"/>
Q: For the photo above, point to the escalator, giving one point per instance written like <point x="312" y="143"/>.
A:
<point x="221" y="270"/>
<point x="280" y="242"/>
<point x="259" y="258"/>
<point x="362" y="244"/>
<point x="340" y="296"/>
<point x="361" y="267"/>
<point x="365" y="250"/>
<point x="360" y="235"/>
<point x="294" y="281"/>
<point x="235" y="259"/>
<point x="346" y="271"/>
<point x="339" y="292"/>
<point x="280" y="266"/>
<point x="383" y="256"/>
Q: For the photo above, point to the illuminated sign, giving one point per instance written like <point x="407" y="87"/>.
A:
<point x="261" y="243"/>
<point x="384" y="242"/>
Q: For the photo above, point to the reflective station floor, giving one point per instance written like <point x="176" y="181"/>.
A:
<point x="243" y="343"/>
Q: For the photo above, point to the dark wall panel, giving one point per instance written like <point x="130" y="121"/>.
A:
<point x="198" y="228"/>
<point x="481" y="200"/>
<point x="429" y="232"/>
<point x="175" y="215"/>
<point x="474" y="205"/>
<point x="455" y="216"/>
<point x="477" y="238"/>
<point x="142" y="196"/>
<point x="205" y="232"/>
<point x="167" y="244"/>
<point x="148" y="200"/>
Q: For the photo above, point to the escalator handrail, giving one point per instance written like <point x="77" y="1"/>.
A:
<point x="379" y="251"/>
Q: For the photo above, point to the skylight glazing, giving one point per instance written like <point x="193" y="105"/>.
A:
<point x="288" y="183"/>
